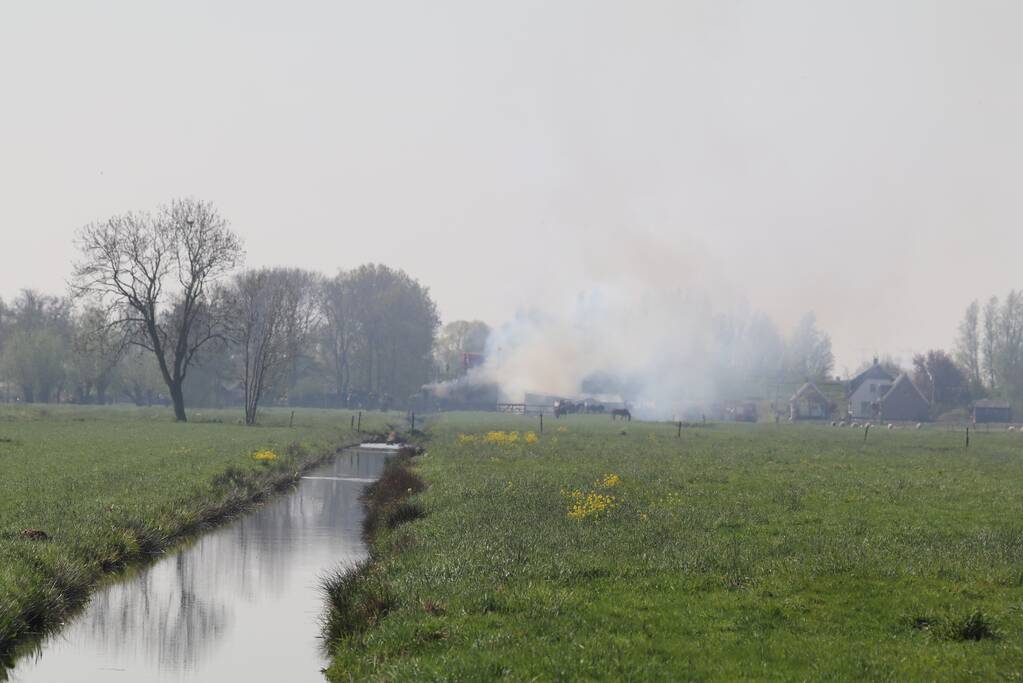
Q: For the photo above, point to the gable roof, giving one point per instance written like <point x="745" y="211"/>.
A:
<point x="904" y="389"/>
<point x="875" y="371"/>
<point x="810" y="392"/>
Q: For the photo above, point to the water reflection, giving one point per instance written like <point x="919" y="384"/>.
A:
<point x="240" y="603"/>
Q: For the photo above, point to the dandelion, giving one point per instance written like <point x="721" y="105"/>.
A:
<point x="608" y="481"/>
<point x="265" y="455"/>
<point x="531" y="437"/>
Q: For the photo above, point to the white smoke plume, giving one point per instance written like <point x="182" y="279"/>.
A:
<point x="647" y="326"/>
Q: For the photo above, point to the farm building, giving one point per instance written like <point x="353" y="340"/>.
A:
<point x="991" y="411"/>
<point x="904" y="402"/>
<point x="866" y="389"/>
<point x="809" y="403"/>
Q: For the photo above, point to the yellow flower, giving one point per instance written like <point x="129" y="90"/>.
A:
<point x="531" y="437"/>
<point x="585" y="505"/>
<point x="590" y="505"/>
<point x="265" y="455"/>
<point x="609" y="481"/>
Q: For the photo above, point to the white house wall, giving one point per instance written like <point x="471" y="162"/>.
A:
<point x="863" y="395"/>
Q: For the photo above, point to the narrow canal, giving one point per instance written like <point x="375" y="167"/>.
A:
<point x="240" y="603"/>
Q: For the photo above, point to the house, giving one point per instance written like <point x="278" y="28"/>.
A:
<point x="904" y="402"/>
<point x="809" y="403"/>
<point x="866" y="389"/>
<point x="991" y="411"/>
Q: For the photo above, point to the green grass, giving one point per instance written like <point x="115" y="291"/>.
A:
<point x="112" y="486"/>
<point x="736" y="552"/>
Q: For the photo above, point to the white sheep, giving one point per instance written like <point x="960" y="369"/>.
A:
<point x="891" y="426"/>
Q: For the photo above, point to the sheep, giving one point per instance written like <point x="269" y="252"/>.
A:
<point x="1012" y="428"/>
<point x="891" y="426"/>
<point x="919" y="425"/>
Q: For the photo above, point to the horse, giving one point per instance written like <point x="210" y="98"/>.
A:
<point x="622" y="413"/>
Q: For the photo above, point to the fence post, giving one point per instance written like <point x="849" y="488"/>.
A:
<point x="359" y="423"/>
<point x="541" y="421"/>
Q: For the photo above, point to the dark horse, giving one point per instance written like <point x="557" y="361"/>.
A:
<point x="622" y="413"/>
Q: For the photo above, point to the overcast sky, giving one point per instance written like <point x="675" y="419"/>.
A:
<point x="859" y="159"/>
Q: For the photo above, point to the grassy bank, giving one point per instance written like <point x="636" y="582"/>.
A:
<point x="85" y="491"/>
<point x="737" y="551"/>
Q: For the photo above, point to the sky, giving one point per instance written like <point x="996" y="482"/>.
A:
<point x="859" y="159"/>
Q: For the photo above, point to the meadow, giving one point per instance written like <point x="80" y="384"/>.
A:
<point x="88" y="491"/>
<point x="619" y="551"/>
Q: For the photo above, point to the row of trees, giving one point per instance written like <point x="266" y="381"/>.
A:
<point x="751" y="354"/>
<point x="989" y="346"/>
<point x="159" y="311"/>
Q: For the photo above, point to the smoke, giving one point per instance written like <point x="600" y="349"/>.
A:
<point x="651" y="323"/>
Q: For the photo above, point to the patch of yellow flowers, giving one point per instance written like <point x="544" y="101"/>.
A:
<point x="592" y="504"/>
<point x="265" y="455"/>
<point x="499" y="438"/>
<point x="586" y="505"/>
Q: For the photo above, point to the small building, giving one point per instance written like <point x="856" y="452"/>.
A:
<point x="866" y="389"/>
<point x="809" y="403"/>
<point x="742" y="411"/>
<point x="988" y="410"/>
<point x="904" y="402"/>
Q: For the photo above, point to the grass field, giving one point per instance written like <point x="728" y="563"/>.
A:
<point x="110" y="486"/>
<point x="620" y="552"/>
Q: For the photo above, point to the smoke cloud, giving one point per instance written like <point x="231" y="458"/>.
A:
<point x="646" y="326"/>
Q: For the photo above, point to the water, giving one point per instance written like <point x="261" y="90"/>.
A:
<point x="240" y="603"/>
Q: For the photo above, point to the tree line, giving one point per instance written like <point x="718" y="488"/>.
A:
<point x="161" y="311"/>
<point x="989" y="347"/>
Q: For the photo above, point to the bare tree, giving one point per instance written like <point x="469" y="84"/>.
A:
<point x="989" y="343"/>
<point x="340" y="330"/>
<point x="154" y="273"/>
<point x="810" y="354"/>
<point x="967" y="348"/>
<point x="270" y="314"/>
<point x="96" y="350"/>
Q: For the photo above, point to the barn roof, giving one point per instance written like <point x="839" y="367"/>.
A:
<point x="991" y="403"/>
<point x="875" y="371"/>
